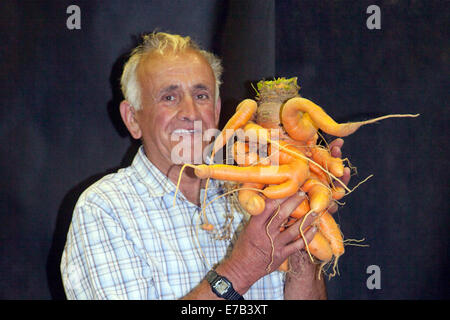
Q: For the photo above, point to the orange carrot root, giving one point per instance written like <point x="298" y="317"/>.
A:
<point x="320" y="248"/>
<point x="250" y="200"/>
<point x="244" y="112"/>
<point x="284" y="267"/>
<point x="297" y="108"/>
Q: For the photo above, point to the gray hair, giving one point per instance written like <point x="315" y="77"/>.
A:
<point x="161" y="42"/>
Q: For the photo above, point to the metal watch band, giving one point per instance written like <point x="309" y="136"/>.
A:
<point x="213" y="277"/>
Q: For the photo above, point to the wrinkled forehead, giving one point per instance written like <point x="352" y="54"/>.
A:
<point x="156" y="63"/>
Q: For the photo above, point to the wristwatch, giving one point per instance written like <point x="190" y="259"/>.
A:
<point x="222" y="287"/>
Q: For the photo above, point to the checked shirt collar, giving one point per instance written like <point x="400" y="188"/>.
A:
<point x="158" y="183"/>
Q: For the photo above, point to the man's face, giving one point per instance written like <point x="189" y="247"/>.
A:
<point x="178" y="95"/>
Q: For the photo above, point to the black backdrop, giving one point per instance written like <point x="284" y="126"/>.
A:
<point x="60" y="129"/>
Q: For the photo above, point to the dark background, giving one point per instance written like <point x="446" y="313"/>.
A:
<point x="60" y="129"/>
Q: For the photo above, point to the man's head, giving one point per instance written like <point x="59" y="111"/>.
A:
<point x="170" y="87"/>
<point x="162" y="43"/>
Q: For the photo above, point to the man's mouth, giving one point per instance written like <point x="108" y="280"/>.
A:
<point x="186" y="131"/>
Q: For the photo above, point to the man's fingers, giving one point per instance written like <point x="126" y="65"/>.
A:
<point x="272" y="205"/>
<point x="293" y="231"/>
<point x="333" y="208"/>
<point x="346" y="176"/>
<point x="336" y="152"/>
<point x="335" y="147"/>
<point x="300" y="243"/>
<point x="285" y="210"/>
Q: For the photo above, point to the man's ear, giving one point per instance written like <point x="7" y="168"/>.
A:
<point x="129" y="118"/>
<point x="218" y="106"/>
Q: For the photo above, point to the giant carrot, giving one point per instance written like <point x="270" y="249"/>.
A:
<point x="294" y="160"/>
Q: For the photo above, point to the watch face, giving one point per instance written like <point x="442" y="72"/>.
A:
<point x="222" y="286"/>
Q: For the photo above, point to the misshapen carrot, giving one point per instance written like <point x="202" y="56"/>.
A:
<point x="242" y="156"/>
<point x="330" y="230"/>
<point x="323" y="157"/>
<point x="244" y="112"/>
<point x="284" y="180"/>
<point x="256" y="174"/>
<point x="337" y="193"/>
<point x="301" y="127"/>
<point x="318" y="174"/>
<point x="250" y="199"/>
<point x="256" y="132"/>
<point x="279" y="152"/>
<point x="301" y="210"/>
<point x="320" y="247"/>
<point x="294" y="162"/>
<point x="319" y="195"/>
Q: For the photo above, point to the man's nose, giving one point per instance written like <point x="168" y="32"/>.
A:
<point x="188" y="110"/>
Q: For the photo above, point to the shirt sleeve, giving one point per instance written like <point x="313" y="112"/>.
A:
<point x="100" y="262"/>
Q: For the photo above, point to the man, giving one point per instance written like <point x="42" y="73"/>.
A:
<point x="130" y="239"/>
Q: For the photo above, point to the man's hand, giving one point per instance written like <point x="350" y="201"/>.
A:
<point x="262" y="247"/>
<point x="335" y="150"/>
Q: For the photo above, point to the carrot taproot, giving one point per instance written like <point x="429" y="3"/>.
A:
<point x="302" y="209"/>
<point x="242" y="156"/>
<point x="298" y="125"/>
<point x="244" y="112"/>
<point x="279" y="152"/>
<point x="323" y="157"/>
<point x="320" y="247"/>
<point x="331" y="231"/>
<point x="282" y="190"/>
<point x="256" y="174"/>
<point x="255" y="132"/>
<point x="301" y="127"/>
<point x="319" y="195"/>
<point x="250" y="199"/>
<point x="318" y="174"/>
<point x="337" y="192"/>
<point x="283" y="180"/>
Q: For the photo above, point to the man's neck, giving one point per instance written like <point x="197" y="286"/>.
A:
<point x="190" y="185"/>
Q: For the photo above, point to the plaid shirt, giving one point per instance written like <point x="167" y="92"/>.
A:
<point x="128" y="241"/>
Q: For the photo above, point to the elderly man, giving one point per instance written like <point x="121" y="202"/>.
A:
<point x="128" y="238"/>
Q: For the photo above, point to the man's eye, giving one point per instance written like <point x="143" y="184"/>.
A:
<point x="168" y="98"/>
<point x="202" y="96"/>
